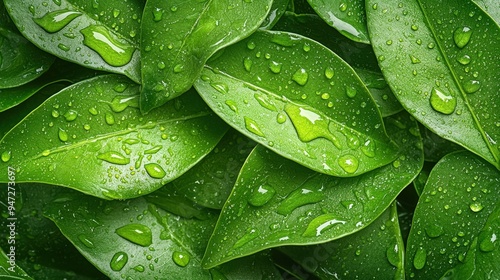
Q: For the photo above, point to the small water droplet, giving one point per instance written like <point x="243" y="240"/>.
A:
<point x="414" y="27"/>
<point x="487" y="240"/>
<point x="462" y="36"/>
<point x="220" y="87"/>
<point x="321" y="223"/>
<point x="284" y="40"/>
<point x="434" y="230"/>
<point x="300" y="76"/>
<point x="113" y="51"/>
<point x="155" y="171"/>
<point x="262" y="195"/>
<point x="265" y="102"/>
<point x="93" y="111"/>
<point x="329" y="73"/>
<point x="442" y="102"/>
<point x="471" y="86"/>
<point x="299" y="197"/>
<point x="6" y="155"/>
<point x="281" y="118"/>
<point x="139" y="268"/>
<point x="420" y="258"/>
<point x="232" y="105"/>
<point x="392" y="255"/>
<point x="136" y="233"/>
<point x="114" y="157"/>
<point x="348" y="163"/>
<point x="251" y="45"/>
<point x="351" y="92"/>
<point x="110" y="118"/>
<point x="252" y="126"/>
<point x="63" y="47"/>
<point x="275" y="67"/>
<point x="368" y="148"/>
<point x="118" y="261"/>
<point x="476" y="207"/>
<point x="157" y="14"/>
<point x="86" y="241"/>
<point x="120" y="103"/>
<point x="179" y="68"/>
<point x="180" y="259"/>
<point x="70" y="115"/>
<point x="247" y="63"/>
<point x="464" y="59"/>
<point x="153" y="150"/>
<point x="414" y="59"/>
<point x="343" y="7"/>
<point x="56" y="20"/>
<point x="247" y="237"/>
<point x="63" y="135"/>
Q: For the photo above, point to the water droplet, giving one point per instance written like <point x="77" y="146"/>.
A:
<point x="139" y="268"/>
<point x="309" y="124"/>
<point x="284" y="40"/>
<point x="157" y="14"/>
<point x="265" y="102"/>
<point x="306" y="47"/>
<point x="153" y="150"/>
<point x="220" y="87"/>
<point x="116" y="13"/>
<point x="420" y="258"/>
<point x="414" y="59"/>
<point x="86" y="241"/>
<point x="110" y="118"/>
<point x="343" y="7"/>
<point x="251" y="45"/>
<point x="299" y="197"/>
<point x="262" y="195"/>
<point x="113" y="51"/>
<point x="118" y="261"/>
<point x="155" y="171"/>
<point x="247" y="237"/>
<point x="275" y="67"/>
<point x="442" y="102"/>
<point x="114" y="157"/>
<point x="252" y="126"/>
<point x="120" y="103"/>
<point x="368" y="148"/>
<point x="70" y="115"/>
<point x="434" y="230"/>
<point x="348" y="163"/>
<point x="63" y="47"/>
<point x="232" y="105"/>
<point x="476" y="207"/>
<point x="392" y="255"/>
<point x="487" y="240"/>
<point x="471" y="86"/>
<point x="56" y="20"/>
<point x="93" y="111"/>
<point x="464" y="59"/>
<point x="63" y="135"/>
<point x="6" y="156"/>
<point x="281" y="118"/>
<point x="351" y="92"/>
<point x="247" y="63"/>
<point x="46" y="153"/>
<point x="161" y="65"/>
<point x="136" y="233"/>
<point x="179" y="68"/>
<point x="329" y="73"/>
<point x="180" y="259"/>
<point x="321" y="223"/>
<point x="300" y="76"/>
<point x="462" y="36"/>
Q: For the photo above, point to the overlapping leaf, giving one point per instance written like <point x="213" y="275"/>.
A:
<point x="95" y="34"/>
<point x="179" y="37"/>
<point x="441" y="60"/>
<point x="277" y="202"/>
<point x="462" y="193"/>
<point x="275" y="89"/>
<point x="92" y="137"/>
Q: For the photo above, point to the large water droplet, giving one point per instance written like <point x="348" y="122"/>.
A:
<point x="464" y="59"/>
<point x="392" y="255"/>
<point x="220" y="87"/>
<point x="329" y="73"/>
<point x="300" y="197"/>
<point x="300" y="76"/>
<point x="284" y="40"/>
<point x="442" y="102"/>
<point x="348" y="163"/>
<point x="368" y="148"/>
<point x="281" y="118"/>
<point x="476" y="207"/>
<point x="247" y="237"/>
<point x="434" y="230"/>
<point x="414" y="60"/>
<point x="110" y="118"/>
<point x="114" y="51"/>
<point x="6" y="156"/>
<point x="232" y="105"/>
<point x="265" y="102"/>
<point x="86" y="241"/>
<point x="114" y="157"/>
<point x="70" y="115"/>
<point x="487" y="240"/>
<point x="63" y="135"/>
<point x="262" y="195"/>
<point x="321" y="223"/>
<point x="56" y="20"/>
<point x="157" y="14"/>
<point x="136" y="233"/>
<point x="247" y="63"/>
<point x="351" y="92"/>
<point x="180" y="259"/>
<point x="309" y="124"/>
<point x="118" y="261"/>
<point x="155" y="171"/>
<point x="461" y="36"/>
<point x="120" y="103"/>
<point x="420" y="258"/>
<point x="252" y="126"/>
<point x="275" y="67"/>
<point x="471" y="86"/>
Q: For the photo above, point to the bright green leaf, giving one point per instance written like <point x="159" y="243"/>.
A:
<point x="492" y="7"/>
<point x="92" y="137"/>
<point x="179" y="37"/>
<point x="441" y="60"/>
<point x="277" y="202"/>
<point x="89" y="33"/>
<point x="462" y="195"/>
<point x="274" y="89"/>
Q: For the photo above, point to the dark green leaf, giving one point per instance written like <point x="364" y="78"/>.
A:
<point x="89" y="33"/>
<point x="178" y="38"/>
<point x="378" y="247"/>
<point x="8" y="267"/>
<point x="92" y="137"/>
<point x="436" y="147"/>
<point x="462" y="195"/>
<point x="348" y="17"/>
<point x="317" y="112"/>
<point x="441" y="60"/>
<point x="277" y="202"/>
<point x="277" y="10"/>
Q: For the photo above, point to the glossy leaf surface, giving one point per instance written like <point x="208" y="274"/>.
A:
<point x="348" y="17"/>
<point x="378" y="247"/>
<point x="277" y="202"/>
<point x="278" y="9"/>
<point x="92" y="137"/>
<point x="88" y="33"/>
<point x="9" y="270"/>
<point x="462" y="193"/>
<point x="179" y="37"/>
<point x="440" y="59"/>
<point x="318" y="113"/>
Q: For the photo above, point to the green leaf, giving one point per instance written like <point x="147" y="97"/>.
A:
<point x="210" y="182"/>
<point x="491" y="7"/>
<point x="96" y="126"/>
<point x="20" y="61"/>
<point x="278" y="9"/>
<point x="436" y="147"/>
<point x="277" y="202"/>
<point x="89" y="33"/>
<point x="348" y="17"/>
<point x="9" y="269"/>
<point x="462" y="195"/>
<point x="440" y="58"/>
<point x="179" y="37"/>
<point x="378" y="247"/>
<point x="275" y="89"/>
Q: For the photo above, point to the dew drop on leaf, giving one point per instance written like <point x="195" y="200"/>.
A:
<point x="155" y="171"/>
<point x="487" y="240"/>
<point x="6" y="156"/>
<point x="265" y="102"/>
<point x="392" y="255"/>
<point x="247" y="237"/>
<point x="442" y="102"/>
<point x="300" y="76"/>
<point x="157" y="14"/>
<point x="471" y="86"/>
<point x="275" y="67"/>
<point x="136" y="233"/>
<point x="180" y="259"/>
<point x="118" y="261"/>
<point x="300" y="197"/>
<point x="252" y="126"/>
<point x="247" y="63"/>
<point x="114" y="157"/>
<point x="86" y="241"/>
<point x="368" y="148"/>
<point x="281" y="118"/>
<point x="348" y="163"/>
<point x="434" y="230"/>
<point x="321" y="223"/>
<point x="329" y="73"/>
<point x="232" y="105"/>
<point x="262" y="195"/>
<point x="109" y="118"/>
<point x="120" y="103"/>
<point x="351" y="92"/>
<point x="63" y="135"/>
<point x="220" y="87"/>
<point x="56" y="20"/>
<point x="461" y="36"/>
<point x="420" y="258"/>
<point x="70" y="115"/>
<point x="476" y="207"/>
<point x="464" y="59"/>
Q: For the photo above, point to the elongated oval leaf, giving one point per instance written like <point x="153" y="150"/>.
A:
<point x="348" y="17"/>
<point x="178" y="38"/>
<point x="276" y="202"/>
<point x="299" y="99"/>
<point x="441" y="60"/>
<point x="462" y="195"/>
<point x="92" y="137"/>
<point x="378" y="247"/>
<point x="89" y="33"/>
